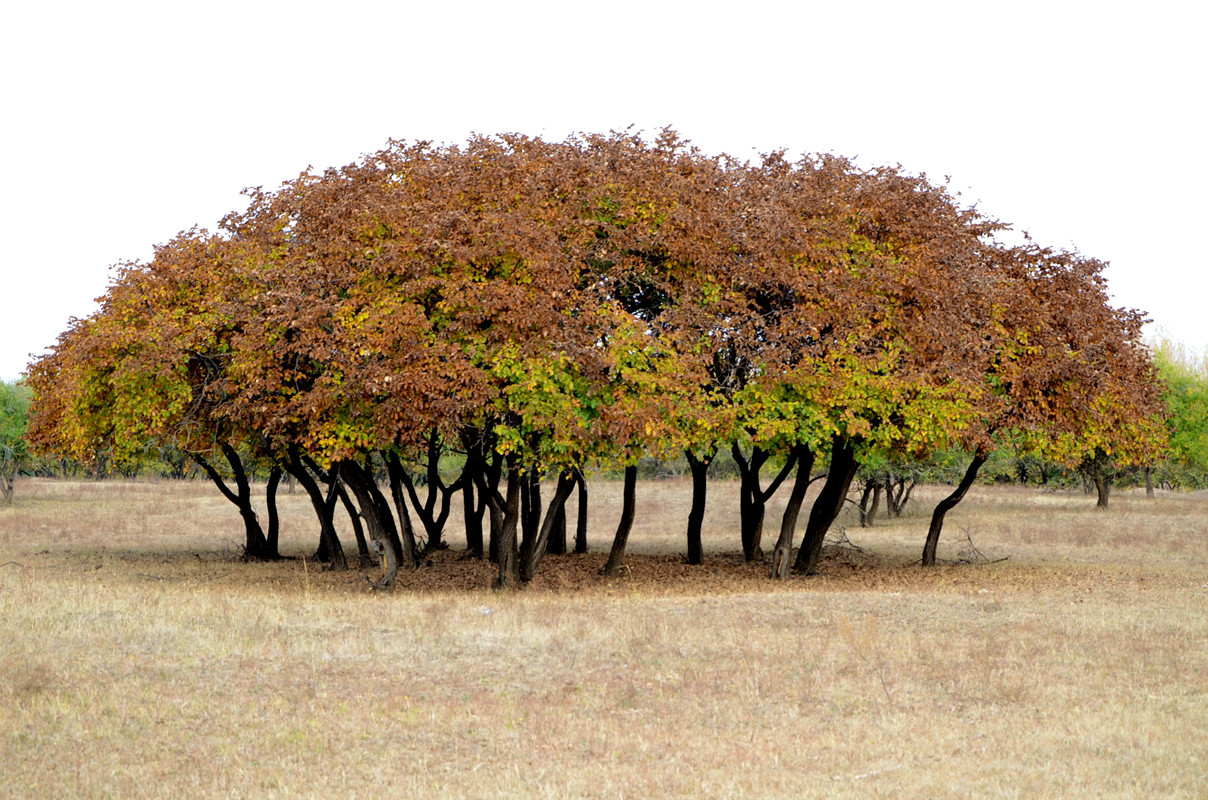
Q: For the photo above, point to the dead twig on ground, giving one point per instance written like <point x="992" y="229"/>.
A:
<point x="970" y="554"/>
<point x="841" y="540"/>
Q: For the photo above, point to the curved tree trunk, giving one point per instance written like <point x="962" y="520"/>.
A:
<point x="379" y="520"/>
<point x="534" y="551"/>
<point x="696" y="516"/>
<point x="870" y="501"/>
<point x="329" y="551"/>
<point x="782" y="555"/>
<point x="255" y="542"/>
<point x="272" y="536"/>
<point x="750" y="513"/>
<point x="256" y="546"/>
<point x="616" y="556"/>
<point x="947" y="504"/>
<point x="358" y="530"/>
<point x="1103" y="488"/>
<point x="828" y="505"/>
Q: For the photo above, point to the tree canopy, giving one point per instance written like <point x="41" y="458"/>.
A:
<point x="548" y="306"/>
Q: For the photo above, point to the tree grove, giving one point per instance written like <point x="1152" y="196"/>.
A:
<point x="546" y="307"/>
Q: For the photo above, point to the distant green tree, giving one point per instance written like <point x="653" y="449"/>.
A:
<point x="1185" y="377"/>
<point x="14" y="415"/>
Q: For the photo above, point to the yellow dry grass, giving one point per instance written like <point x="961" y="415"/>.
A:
<point x="142" y="658"/>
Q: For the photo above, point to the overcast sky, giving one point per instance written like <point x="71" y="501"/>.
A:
<point x="124" y="123"/>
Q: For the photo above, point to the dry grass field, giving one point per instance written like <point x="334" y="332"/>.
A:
<point x="142" y="658"/>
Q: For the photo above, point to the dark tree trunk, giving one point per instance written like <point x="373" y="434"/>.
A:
<point x="329" y="551"/>
<point x="530" y="509"/>
<point x="1149" y="493"/>
<point x="379" y="520"/>
<point x="272" y="536"/>
<point x="255" y="543"/>
<point x="870" y="501"/>
<point x="509" y="556"/>
<point x="472" y="507"/>
<point x="358" y="530"/>
<point x="504" y="542"/>
<point x="828" y="505"/>
<point x="617" y="555"/>
<point x="782" y="555"/>
<point x="532" y="554"/>
<point x="754" y="499"/>
<point x="385" y="542"/>
<point x="557" y="537"/>
<point x="404" y="535"/>
<point x="581" y="513"/>
<point x="491" y="476"/>
<point x="431" y="516"/>
<point x="897" y="494"/>
<point x="256" y="546"/>
<point x="1103" y="487"/>
<point x="696" y="516"/>
<point x="508" y="576"/>
<point x="749" y="515"/>
<point x="496" y="531"/>
<point x="947" y="504"/>
<point x="480" y="475"/>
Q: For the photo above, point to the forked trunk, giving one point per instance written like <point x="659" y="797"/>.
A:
<point x="750" y="511"/>
<point x="870" y="500"/>
<point x="616" y="556"/>
<point x="947" y="504"/>
<point x="754" y="498"/>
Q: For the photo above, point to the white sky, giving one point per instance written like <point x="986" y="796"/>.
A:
<point x="123" y="123"/>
